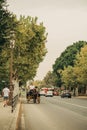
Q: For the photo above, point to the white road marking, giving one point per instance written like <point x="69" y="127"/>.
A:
<point x="75" y="105"/>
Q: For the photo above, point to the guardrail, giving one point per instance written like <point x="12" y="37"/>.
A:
<point x="14" y="102"/>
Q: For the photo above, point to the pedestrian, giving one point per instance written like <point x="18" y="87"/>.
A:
<point x="31" y="87"/>
<point x="38" y="94"/>
<point x="5" y="93"/>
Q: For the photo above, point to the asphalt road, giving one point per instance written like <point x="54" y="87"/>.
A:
<point x="54" y="113"/>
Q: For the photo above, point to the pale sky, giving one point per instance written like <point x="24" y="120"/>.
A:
<point x="65" y="22"/>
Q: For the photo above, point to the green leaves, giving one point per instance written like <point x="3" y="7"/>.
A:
<point x="29" y="51"/>
<point x="50" y="79"/>
<point x="29" y="47"/>
<point x="81" y="66"/>
<point x="67" y="58"/>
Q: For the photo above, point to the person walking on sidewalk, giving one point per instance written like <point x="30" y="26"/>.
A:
<point x="5" y="93"/>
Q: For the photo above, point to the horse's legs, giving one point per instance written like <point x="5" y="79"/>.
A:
<point x="28" y="98"/>
<point x="38" y="99"/>
<point x="34" y="98"/>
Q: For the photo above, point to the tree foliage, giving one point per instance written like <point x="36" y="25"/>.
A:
<point x="81" y="66"/>
<point x="50" y="79"/>
<point x="67" y="58"/>
<point x="7" y="23"/>
<point x="29" y="50"/>
<point x="68" y="77"/>
<point x="30" y="47"/>
<point x="76" y="76"/>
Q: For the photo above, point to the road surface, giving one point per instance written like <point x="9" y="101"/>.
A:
<point x="54" y="113"/>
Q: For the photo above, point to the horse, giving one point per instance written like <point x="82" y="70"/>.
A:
<point x="33" y="94"/>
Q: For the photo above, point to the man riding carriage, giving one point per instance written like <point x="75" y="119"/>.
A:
<point x="33" y="93"/>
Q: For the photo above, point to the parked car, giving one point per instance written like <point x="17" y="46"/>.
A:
<point x="66" y="94"/>
<point x="49" y="94"/>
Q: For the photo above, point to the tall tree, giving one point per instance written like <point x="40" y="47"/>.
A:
<point x="29" y="49"/>
<point x="30" y="45"/>
<point x="81" y="65"/>
<point x="67" y="58"/>
<point x="68" y="77"/>
<point x="76" y="77"/>
<point x="7" y="24"/>
<point x="50" y="79"/>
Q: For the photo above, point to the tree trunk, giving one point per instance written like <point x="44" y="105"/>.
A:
<point x="86" y="90"/>
<point x="76" y="91"/>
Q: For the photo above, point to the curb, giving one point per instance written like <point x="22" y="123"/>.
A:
<point x="19" y="116"/>
<point x="81" y="97"/>
<point x="15" y="121"/>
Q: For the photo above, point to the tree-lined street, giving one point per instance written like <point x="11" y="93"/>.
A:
<point x="57" y="36"/>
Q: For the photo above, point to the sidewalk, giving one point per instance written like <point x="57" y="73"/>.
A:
<point x="81" y="97"/>
<point x="8" y="120"/>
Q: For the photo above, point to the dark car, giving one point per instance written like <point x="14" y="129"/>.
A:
<point x="67" y="95"/>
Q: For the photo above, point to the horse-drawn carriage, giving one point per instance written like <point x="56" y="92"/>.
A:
<point x="34" y="95"/>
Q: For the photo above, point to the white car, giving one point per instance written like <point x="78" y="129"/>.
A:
<point x="42" y="93"/>
<point x="49" y="94"/>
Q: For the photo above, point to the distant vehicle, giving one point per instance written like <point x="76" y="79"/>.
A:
<point x="66" y="94"/>
<point x="55" y="93"/>
<point x="49" y="94"/>
<point x="42" y="93"/>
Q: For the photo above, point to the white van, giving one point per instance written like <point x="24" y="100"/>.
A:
<point x="49" y="93"/>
